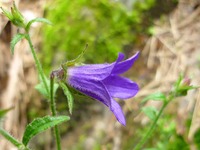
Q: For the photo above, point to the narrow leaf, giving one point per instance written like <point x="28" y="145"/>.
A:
<point x="156" y="96"/>
<point x="43" y="20"/>
<point x="69" y="96"/>
<point x="4" y="111"/>
<point x="10" y="138"/>
<point x="41" y="124"/>
<point x="15" y="40"/>
<point x="151" y="112"/>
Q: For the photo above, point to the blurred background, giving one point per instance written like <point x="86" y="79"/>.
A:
<point x="166" y="32"/>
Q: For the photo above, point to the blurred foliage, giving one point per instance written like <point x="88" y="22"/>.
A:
<point x="107" y="26"/>
<point x="165" y="135"/>
<point x="197" y="139"/>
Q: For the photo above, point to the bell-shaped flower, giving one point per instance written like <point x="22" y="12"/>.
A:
<point x="104" y="83"/>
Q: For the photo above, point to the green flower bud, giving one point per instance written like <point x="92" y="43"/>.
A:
<point x="15" y="16"/>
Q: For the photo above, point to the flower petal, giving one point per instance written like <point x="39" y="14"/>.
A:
<point x="125" y="65"/>
<point x="96" y="71"/>
<point x="115" y="107"/>
<point x="90" y="87"/>
<point x="117" y="110"/>
<point x="120" y="87"/>
<point x="90" y="71"/>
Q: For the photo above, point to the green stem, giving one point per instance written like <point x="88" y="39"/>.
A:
<point x="38" y="65"/>
<point x="151" y="129"/>
<point x="12" y="139"/>
<point x="42" y="75"/>
<point x="53" y="110"/>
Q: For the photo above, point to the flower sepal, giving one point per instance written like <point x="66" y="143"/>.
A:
<point x="15" y="16"/>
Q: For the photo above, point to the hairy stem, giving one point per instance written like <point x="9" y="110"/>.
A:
<point x="53" y="110"/>
<point x="38" y="64"/>
<point x="50" y="92"/>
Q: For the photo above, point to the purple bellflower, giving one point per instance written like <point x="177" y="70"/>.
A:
<point x="103" y="83"/>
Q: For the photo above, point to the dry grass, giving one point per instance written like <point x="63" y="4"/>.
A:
<point x="174" y="48"/>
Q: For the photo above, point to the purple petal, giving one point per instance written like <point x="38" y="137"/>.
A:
<point x="117" y="110"/>
<point x="97" y="71"/>
<point x="119" y="87"/>
<point x="115" y="107"/>
<point x="90" y="87"/>
<point x="125" y="65"/>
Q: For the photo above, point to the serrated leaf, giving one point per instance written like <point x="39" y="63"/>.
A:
<point x="69" y="96"/>
<point x="4" y="111"/>
<point x="43" y="20"/>
<point x="41" y="88"/>
<point x="41" y="124"/>
<point x="15" y="40"/>
<point x="151" y="112"/>
<point x="156" y="96"/>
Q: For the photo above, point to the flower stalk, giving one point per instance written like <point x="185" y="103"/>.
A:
<point x="53" y="110"/>
<point x="151" y="129"/>
<point x="38" y="64"/>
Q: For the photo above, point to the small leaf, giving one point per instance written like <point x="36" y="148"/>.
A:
<point x="10" y="138"/>
<point x="4" y="111"/>
<point x="41" y="124"/>
<point x="151" y="112"/>
<point x="183" y="90"/>
<point x="15" y="40"/>
<point x="178" y="82"/>
<point x="41" y="88"/>
<point x="69" y="96"/>
<point x="156" y="96"/>
<point x="43" y="20"/>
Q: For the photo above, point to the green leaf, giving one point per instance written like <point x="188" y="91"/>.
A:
<point x="41" y="87"/>
<point x="178" y="82"/>
<point x="69" y="96"/>
<point x="151" y="112"/>
<point x="156" y="96"/>
<point x="183" y="90"/>
<point x="43" y="20"/>
<point x="4" y="111"/>
<point x="41" y="124"/>
<point x="15" y="40"/>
